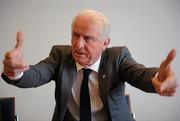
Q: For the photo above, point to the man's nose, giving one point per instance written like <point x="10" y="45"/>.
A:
<point x="80" y="42"/>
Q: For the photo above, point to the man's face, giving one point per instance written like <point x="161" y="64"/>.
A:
<point x="86" y="44"/>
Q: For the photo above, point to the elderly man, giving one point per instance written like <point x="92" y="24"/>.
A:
<point x="89" y="77"/>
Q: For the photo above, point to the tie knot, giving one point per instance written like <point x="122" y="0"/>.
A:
<point x="86" y="72"/>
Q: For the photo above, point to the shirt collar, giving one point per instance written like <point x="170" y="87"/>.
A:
<point x="93" y="67"/>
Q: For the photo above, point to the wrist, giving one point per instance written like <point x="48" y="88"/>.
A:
<point x="156" y="83"/>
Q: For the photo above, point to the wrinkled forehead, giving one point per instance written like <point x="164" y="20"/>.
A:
<point x="87" y="26"/>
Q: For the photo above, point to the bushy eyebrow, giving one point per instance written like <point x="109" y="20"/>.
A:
<point x="85" y="35"/>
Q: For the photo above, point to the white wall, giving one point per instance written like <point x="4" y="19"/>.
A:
<point x="149" y="29"/>
<point x="1" y="35"/>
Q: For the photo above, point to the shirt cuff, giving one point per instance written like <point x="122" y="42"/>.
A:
<point x="16" y="77"/>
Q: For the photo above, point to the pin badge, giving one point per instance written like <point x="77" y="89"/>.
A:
<point x="104" y="76"/>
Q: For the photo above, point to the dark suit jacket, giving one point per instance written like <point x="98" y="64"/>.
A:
<point x="116" y="67"/>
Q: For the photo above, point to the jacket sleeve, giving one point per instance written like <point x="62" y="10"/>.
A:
<point x="136" y="74"/>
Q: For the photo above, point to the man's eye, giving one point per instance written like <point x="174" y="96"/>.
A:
<point x="87" y="38"/>
<point x="76" y="35"/>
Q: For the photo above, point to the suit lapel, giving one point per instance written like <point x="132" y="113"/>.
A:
<point x="69" y="73"/>
<point x="103" y="82"/>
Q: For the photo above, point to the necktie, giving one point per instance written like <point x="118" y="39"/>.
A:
<point x="85" y="104"/>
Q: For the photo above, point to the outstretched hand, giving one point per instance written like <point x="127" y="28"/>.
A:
<point x="166" y="83"/>
<point x="13" y="59"/>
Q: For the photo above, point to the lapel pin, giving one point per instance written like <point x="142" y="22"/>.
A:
<point x="103" y="76"/>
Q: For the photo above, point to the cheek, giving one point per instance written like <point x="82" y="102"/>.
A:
<point x="72" y="43"/>
<point x="94" y="53"/>
<point x="73" y="46"/>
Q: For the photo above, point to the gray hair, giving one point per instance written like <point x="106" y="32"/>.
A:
<point x="105" y="32"/>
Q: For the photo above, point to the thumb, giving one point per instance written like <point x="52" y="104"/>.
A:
<point x="19" y="40"/>
<point x="170" y="57"/>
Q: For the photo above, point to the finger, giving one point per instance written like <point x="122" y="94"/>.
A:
<point x="15" y="70"/>
<point x="11" y="73"/>
<point x="13" y="54"/>
<point x="169" y="84"/>
<point x="15" y="64"/>
<point x="8" y="55"/>
<point x="7" y="73"/>
<point x="170" y="57"/>
<point x="172" y="91"/>
<point x="19" y="40"/>
<point x="166" y="94"/>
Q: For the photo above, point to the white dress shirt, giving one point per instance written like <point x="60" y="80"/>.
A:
<point x="97" y="110"/>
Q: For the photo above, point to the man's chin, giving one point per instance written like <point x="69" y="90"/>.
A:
<point x="82" y="63"/>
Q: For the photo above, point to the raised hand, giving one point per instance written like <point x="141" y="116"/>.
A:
<point x="166" y="83"/>
<point x="13" y="59"/>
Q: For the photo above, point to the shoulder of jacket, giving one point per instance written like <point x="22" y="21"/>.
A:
<point x="63" y="49"/>
<point x="117" y="51"/>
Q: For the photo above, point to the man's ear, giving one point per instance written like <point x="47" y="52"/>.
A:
<point x="105" y="43"/>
